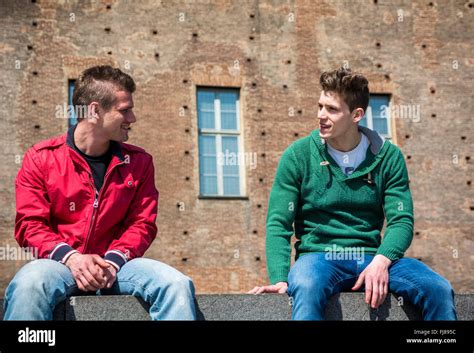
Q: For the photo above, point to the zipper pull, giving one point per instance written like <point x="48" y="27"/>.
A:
<point x="96" y="200"/>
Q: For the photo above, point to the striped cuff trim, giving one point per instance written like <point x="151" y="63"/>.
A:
<point x="61" y="252"/>
<point x="117" y="257"/>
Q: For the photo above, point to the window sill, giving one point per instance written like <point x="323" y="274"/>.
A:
<point x="244" y="198"/>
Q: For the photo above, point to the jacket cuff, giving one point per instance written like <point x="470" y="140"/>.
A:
<point x="115" y="258"/>
<point x="62" y="252"/>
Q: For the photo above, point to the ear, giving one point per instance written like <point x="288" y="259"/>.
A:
<point x="357" y="115"/>
<point x="93" y="111"/>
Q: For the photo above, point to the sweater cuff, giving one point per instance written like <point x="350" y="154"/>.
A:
<point x="279" y="276"/>
<point x="62" y="252"/>
<point x="390" y="253"/>
<point x="115" y="258"/>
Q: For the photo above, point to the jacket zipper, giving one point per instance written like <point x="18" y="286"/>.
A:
<point x="95" y="205"/>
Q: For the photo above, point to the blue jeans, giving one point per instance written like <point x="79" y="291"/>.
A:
<point x="42" y="284"/>
<point x="313" y="279"/>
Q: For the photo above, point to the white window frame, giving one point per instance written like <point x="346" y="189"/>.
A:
<point x="370" y="122"/>
<point x="218" y="133"/>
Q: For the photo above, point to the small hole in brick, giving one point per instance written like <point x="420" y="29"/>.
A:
<point x="195" y="35"/>
<point x="407" y="136"/>
<point x="263" y="155"/>
<point x="186" y="152"/>
<point x="254" y="84"/>
<point x="155" y="32"/>
<point x="387" y="76"/>
<point x="378" y="45"/>
<point x="184" y="259"/>
<point x="187" y="178"/>
<point x="108" y="7"/>
<point x="468" y="158"/>
<point x="186" y="130"/>
<point x="296" y="134"/>
<point x="379" y="65"/>
<point x="37" y="126"/>
<point x="185" y="232"/>
<point x="375" y="2"/>
<point x="34" y="101"/>
<point x="431" y="4"/>
<point x="417" y="233"/>
<point x="259" y="110"/>
<point x="185" y="107"/>
<point x="255" y="231"/>
<point x="249" y="60"/>
<point x="109" y="52"/>
<point x="463" y="137"/>
<point x="288" y="62"/>
<point x="177" y="205"/>
<point x="257" y="258"/>
<point x="157" y="55"/>
<point x="260" y="180"/>
<point x="185" y="81"/>
<point x="252" y="15"/>
<point x="35" y="73"/>
<point x="33" y="1"/>
<point x="29" y="47"/>
<point x="107" y="29"/>
<point x="423" y="46"/>
<point x="471" y="208"/>
<point x="408" y="157"/>
<point x="259" y="206"/>
<point x="263" y="133"/>
<point x="470" y="5"/>
<point x="300" y="111"/>
<point x="468" y="182"/>
<point x="285" y="86"/>
<point x="251" y="37"/>
<point x="433" y="115"/>
<point x="34" y="24"/>
<point x="432" y="90"/>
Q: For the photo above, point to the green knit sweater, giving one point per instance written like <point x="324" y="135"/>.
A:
<point x="326" y="209"/>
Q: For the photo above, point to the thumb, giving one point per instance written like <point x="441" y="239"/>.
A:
<point x="359" y="282"/>
<point x="101" y="262"/>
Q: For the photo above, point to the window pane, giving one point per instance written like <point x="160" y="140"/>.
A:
<point x="231" y="185"/>
<point x="379" y="105"/>
<point x="206" y="110"/>
<point x="380" y="125"/>
<point x="72" y="118"/>
<point x="207" y="165"/>
<point x="228" y="110"/>
<point x="230" y="152"/>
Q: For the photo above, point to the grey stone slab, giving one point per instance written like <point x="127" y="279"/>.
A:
<point x="243" y="307"/>
<point x="464" y="306"/>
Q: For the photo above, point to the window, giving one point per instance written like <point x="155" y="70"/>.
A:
<point x="220" y="144"/>
<point x="377" y="116"/>
<point x="72" y="118"/>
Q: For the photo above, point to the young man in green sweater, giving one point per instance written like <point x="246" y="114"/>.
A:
<point x="333" y="189"/>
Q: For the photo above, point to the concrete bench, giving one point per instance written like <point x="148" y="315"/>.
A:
<point x="343" y="306"/>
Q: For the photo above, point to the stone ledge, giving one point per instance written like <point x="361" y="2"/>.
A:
<point x="273" y="307"/>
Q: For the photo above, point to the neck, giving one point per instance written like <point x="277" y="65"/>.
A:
<point x="89" y="141"/>
<point x="346" y="142"/>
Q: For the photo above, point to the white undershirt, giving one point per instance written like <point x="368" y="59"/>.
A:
<point x="349" y="161"/>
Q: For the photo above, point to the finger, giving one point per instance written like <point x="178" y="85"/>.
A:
<point x="375" y="296"/>
<point x="253" y="291"/>
<point x="261" y="290"/>
<point x="383" y="293"/>
<point x="100" y="261"/>
<point x="98" y="274"/>
<point x="368" y="292"/>
<point x="359" y="281"/>
<point x="91" y="280"/>
<point x="85" y="284"/>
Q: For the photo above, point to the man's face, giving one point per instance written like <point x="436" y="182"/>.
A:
<point x="117" y="121"/>
<point x="334" y="116"/>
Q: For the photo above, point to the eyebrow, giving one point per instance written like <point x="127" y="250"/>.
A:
<point x="329" y="105"/>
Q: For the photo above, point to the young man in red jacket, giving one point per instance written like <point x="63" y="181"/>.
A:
<point x="87" y="203"/>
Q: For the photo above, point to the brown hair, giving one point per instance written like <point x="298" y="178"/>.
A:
<point x="98" y="84"/>
<point x="352" y="87"/>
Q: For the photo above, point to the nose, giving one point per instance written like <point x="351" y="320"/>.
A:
<point x="131" y="117"/>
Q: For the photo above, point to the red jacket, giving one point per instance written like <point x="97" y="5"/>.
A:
<point x="57" y="212"/>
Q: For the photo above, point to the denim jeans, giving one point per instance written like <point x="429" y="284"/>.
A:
<point x="41" y="284"/>
<point x="313" y="279"/>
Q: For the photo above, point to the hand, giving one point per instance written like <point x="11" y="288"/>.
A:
<point x="280" y="287"/>
<point x="110" y="276"/>
<point x="375" y="277"/>
<point x="88" y="271"/>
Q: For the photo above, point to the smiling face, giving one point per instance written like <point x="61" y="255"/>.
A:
<point x="335" y="118"/>
<point x="117" y="120"/>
